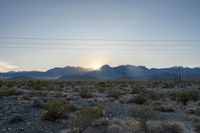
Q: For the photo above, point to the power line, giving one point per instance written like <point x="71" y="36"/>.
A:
<point x="107" y="26"/>
<point x="105" y="45"/>
<point x="99" y="49"/>
<point x="102" y="16"/>
<point x="114" y="40"/>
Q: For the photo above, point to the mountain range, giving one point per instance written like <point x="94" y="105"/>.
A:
<point x="123" y="72"/>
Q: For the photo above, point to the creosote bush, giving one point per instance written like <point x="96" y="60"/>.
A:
<point x="57" y="109"/>
<point x="85" y="92"/>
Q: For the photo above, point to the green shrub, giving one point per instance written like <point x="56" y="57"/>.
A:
<point x="57" y="109"/>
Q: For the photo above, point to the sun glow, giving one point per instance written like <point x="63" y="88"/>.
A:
<point x="96" y="66"/>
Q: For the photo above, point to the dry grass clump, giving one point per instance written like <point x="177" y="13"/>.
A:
<point x="84" y="117"/>
<point x="85" y="92"/>
<point x="57" y="109"/>
<point x="185" y="97"/>
<point x="6" y="91"/>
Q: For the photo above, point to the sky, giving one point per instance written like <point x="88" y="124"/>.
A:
<point x="42" y="34"/>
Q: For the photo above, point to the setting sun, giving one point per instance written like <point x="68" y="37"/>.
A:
<point x="96" y="66"/>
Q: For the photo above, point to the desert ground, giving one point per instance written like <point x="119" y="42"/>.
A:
<point x="99" y="106"/>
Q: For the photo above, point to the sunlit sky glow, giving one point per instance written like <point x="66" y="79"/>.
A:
<point x="42" y="34"/>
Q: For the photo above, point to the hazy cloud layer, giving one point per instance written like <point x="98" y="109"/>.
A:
<point x="5" y="66"/>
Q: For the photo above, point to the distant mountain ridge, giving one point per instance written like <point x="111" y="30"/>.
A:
<point x="123" y="72"/>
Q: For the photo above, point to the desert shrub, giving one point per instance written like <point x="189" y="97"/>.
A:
<point x="114" y="93"/>
<point x="164" y="109"/>
<point x="165" y="127"/>
<point x="139" y="99"/>
<point x="57" y="109"/>
<point x="168" y="85"/>
<point x="152" y="95"/>
<point x="5" y="91"/>
<point x="84" y="117"/>
<point x="185" y="97"/>
<point x="143" y="115"/>
<point x="137" y="89"/>
<point x="85" y="93"/>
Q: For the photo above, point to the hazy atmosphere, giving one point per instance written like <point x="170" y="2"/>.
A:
<point x="99" y="66"/>
<point x="38" y="35"/>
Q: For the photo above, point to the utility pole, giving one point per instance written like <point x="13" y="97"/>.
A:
<point x="177" y="76"/>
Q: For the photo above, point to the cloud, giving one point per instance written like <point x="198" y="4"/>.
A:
<point x="5" y="66"/>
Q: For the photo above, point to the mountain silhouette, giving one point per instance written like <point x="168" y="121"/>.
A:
<point x="106" y="72"/>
